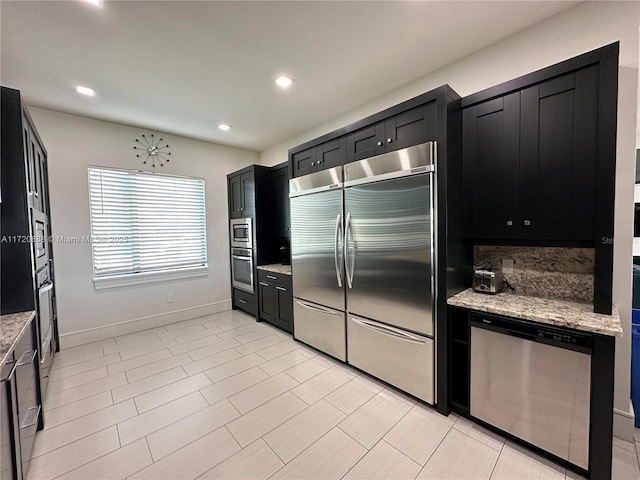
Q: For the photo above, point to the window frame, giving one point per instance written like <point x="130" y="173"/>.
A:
<point x="153" y="276"/>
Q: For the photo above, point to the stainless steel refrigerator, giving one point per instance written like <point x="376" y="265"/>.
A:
<point x="362" y="245"/>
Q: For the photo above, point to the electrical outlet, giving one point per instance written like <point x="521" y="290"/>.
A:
<point x="507" y="266"/>
<point x="170" y="298"/>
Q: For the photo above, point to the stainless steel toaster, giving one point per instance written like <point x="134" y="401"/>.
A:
<point x="488" y="281"/>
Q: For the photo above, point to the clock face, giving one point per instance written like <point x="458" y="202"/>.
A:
<point x="152" y="150"/>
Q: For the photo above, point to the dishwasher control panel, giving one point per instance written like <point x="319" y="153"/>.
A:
<point x="535" y="332"/>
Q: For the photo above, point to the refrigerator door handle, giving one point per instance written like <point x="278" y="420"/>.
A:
<point x="317" y="308"/>
<point x="335" y="251"/>
<point x="348" y="274"/>
<point x="387" y="330"/>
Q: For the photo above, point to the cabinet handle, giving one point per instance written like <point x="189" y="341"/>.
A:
<point x="509" y="223"/>
<point x="527" y="223"/>
<point x="389" y="140"/>
<point x="272" y="277"/>
<point x="21" y="362"/>
<point x="281" y="288"/>
<point x="242" y="301"/>
<point x="379" y="144"/>
<point x="264" y="284"/>
<point x="35" y="417"/>
<point x="313" y="163"/>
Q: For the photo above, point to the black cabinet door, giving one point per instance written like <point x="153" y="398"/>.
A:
<point x="491" y="139"/>
<point x="558" y="157"/>
<point x="282" y="215"/>
<point x="235" y="197"/>
<point x="331" y="154"/>
<point x="284" y="308"/>
<point x="366" y="142"/>
<point x="412" y="127"/>
<point x="304" y="162"/>
<point x="247" y="189"/>
<point x="266" y="300"/>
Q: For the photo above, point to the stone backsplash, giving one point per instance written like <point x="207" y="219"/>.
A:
<point x="551" y="272"/>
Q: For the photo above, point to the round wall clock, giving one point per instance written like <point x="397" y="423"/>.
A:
<point x="151" y="150"/>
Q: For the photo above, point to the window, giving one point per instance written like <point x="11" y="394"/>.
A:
<point x="146" y="227"/>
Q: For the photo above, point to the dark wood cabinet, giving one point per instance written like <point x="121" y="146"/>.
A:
<point x="412" y="127"/>
<point x="241" y="194"/>
<point x="276" y="299"/>
<point x="280" y="201"/>
<point x="366" y="142"/>
<point x="558" y="150"/>
<point x="321" y="157"/>
<point x="415" y="126"/>
<point x="491" y="145"/>
<point x="530" y="160"/>
<point x="20" y="401"/>
<point x="304" y="162"/>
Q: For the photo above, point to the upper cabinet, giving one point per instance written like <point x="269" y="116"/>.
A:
<point x="539" y="161"/>
<point x="529" y="161"/>
<point x="321" y="157"/>
<point x="241" y="190"/>
<point x="404" y="125"/>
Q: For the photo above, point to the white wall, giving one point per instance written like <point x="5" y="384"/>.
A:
<point x="73" y="143"/>
<point x="585" y="27"/>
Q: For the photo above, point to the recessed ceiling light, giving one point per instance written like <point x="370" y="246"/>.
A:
<point x="284" y="81"/>
<point x="97" y="3"/>
<point x="224" y="126"/>
<point x="85" y="90"/>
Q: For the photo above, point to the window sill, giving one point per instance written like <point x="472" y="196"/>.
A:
<point x="149" y="277"/>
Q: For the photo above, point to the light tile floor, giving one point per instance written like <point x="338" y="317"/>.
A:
<point x="225" y="397"/>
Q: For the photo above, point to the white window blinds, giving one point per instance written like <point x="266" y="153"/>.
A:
<point x="145" y="222"/>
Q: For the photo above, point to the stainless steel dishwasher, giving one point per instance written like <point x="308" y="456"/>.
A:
<point x="533" y="382"/>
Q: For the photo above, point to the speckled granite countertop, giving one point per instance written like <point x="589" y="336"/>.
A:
<point x="563" y="313"/>
<point x="11" y="327"/>
<point x="277" y="268"/>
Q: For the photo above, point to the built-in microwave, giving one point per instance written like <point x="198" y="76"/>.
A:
<point x="240" y="233"/>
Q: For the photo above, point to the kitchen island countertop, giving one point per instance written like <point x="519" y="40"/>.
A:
<point x="276" y="268"/>
<point x="552" y="311"/>
<point x="11" y="327"/>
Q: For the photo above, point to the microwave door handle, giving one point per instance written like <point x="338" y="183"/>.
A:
<point x="335" y="251"/>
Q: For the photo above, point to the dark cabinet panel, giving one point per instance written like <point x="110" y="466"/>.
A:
<point x="241" y="192"/>
<point x="558" y="158"/>
<point x="331" y="154"/>
<point x="366" y="142"/>
<point x="412" y="127"/>
<point x="529" y="158"/>
<point x="284" y="307"/>
<point x="280" y="204"/>
<point x="266" y="297"/>
<point x="491" y="140"/>
<point x="304" y="162"/>
<point x="276" y="299"/>
<point x="235" y="197"/>
<point x="245" y="301"/>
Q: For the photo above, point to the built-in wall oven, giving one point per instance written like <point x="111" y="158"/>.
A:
<point x="241" y="233"/>
<point x="242" y="268"/>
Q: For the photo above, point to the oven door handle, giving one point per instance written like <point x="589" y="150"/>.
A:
<point x="238" y="257"/>
<point x="45" y="288"/>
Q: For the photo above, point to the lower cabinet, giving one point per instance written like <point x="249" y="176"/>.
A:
<point x="276" y="299"/>
<point x="245" y="301"/>
<point x="20" y="405"/>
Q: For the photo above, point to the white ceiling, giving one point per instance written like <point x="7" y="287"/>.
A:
<point x="183" y="67"/>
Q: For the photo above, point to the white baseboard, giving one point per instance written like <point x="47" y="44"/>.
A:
<point x="130" y="326"/>
<point x="624" y="423"/>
